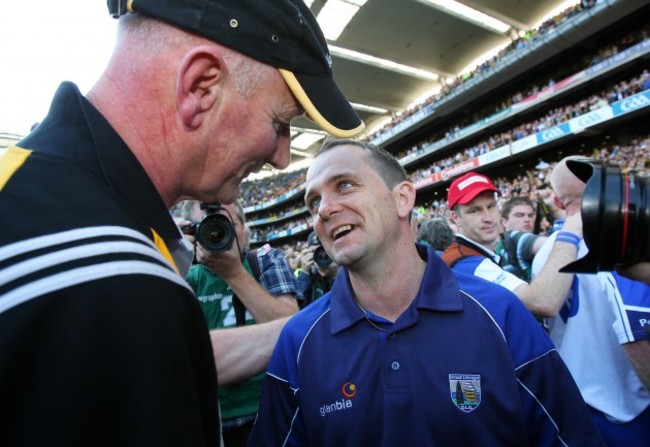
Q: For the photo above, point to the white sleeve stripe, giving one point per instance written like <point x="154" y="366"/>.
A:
<point x="311" y="328"/>
<point x="636" y="308"/>
<point x="85" y="274"/>
<point x="550" y="418"/>
<point x="38" y="263"/>
<point x="486" y="312"/>
<point x="78" y="234"/>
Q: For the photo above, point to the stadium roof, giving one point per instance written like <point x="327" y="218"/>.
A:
<point x="390" y="54"/>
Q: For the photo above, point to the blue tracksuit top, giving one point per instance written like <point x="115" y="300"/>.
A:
<point x="465" y="364"/>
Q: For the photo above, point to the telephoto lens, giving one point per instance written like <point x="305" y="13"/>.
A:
<point x="615" y="217"/>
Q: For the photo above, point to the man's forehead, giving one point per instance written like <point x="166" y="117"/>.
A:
<point x="483" y="198"/>
<point x="326" y="164"/>
<point x="527" y="209"/>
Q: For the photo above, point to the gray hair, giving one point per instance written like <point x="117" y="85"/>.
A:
<point x="437" y="233"/>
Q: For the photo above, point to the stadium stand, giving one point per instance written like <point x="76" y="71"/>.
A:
<point x="589" y="98"/>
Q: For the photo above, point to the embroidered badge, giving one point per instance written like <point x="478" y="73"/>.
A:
<point x="465" y="390"/>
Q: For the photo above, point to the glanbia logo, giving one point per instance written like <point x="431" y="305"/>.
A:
<point x="348" y="390"/>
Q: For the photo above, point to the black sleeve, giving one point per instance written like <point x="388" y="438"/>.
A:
<point x="120" y="361"/>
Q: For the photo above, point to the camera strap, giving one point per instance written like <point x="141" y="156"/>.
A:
<point x="240" y="309"/>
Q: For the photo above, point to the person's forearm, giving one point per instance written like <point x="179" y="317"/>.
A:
<point x="261" y="304"/>
<point x="242" y="352"/>
<point x="547" y="292"/>
<point x="638" y="353"/>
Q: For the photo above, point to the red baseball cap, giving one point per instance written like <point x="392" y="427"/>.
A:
<point x="465" y="188"/>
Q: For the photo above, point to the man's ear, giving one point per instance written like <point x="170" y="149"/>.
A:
<point x="455" y="218"/>
<point x="199" y="84"/>
<point x="405" y="198"/>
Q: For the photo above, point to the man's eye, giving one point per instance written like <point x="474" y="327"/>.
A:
<point x="345" y="185"/>
<point x="282" y="128"/>
<point x="314" y="204"/>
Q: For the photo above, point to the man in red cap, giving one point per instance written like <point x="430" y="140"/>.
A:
<point x="474" y="210"/>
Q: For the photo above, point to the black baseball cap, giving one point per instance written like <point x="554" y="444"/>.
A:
<point x="280" y="33"/>
<point x="312" y="240"/>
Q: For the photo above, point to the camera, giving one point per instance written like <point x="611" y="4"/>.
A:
<point x="615" y="217"/>
<point x="215" y="232"/>
<point x="321" y="258"/>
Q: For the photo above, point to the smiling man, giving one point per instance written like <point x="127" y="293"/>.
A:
<point x="402" y="350"/>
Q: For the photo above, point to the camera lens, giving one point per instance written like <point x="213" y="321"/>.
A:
<point x="321" y="258"/>
<point x="215" y="233"/>
<point x="615" y="215"/>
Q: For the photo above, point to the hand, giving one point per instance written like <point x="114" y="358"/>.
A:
<point x="180" y="223"/>
<point x="225" y="264"/>
<point x="307" y="259"/>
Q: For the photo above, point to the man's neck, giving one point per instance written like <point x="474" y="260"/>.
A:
<point x="488" y="252"/>
<point x="390" y="289"/>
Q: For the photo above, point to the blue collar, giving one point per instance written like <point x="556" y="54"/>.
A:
<point x="438" y="292"/>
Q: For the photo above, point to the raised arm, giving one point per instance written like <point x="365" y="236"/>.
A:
<point x="547" y="292"/>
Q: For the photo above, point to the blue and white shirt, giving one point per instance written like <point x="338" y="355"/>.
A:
<point x="601" y="312"/>
<point x="465" y="364"/>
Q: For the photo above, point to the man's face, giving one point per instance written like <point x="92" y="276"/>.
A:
<point x="249" y="131"/>
<point x="479" y="219"/>
<point x="354" y="212"/>
<point x="521" y="217"/>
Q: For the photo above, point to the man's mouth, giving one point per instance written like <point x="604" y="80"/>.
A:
<point x="341" y="231"/>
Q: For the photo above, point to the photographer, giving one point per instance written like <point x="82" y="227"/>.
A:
<point x="317" y="271"/>
<point x="238" y="287"/>
<point x="598" y="330"/>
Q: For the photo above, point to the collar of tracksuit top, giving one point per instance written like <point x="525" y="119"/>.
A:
<point x="438" y="292"/>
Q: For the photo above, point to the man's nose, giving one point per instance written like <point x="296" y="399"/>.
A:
<point x="282" y="155"/>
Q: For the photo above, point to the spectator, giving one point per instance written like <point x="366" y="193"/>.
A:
<point x="371" y="362"/>
<point x="598" y="333"/>
<point x="474" y="211"/>
<point x="102" y="341"/>
<point x="517" y="245"/>
<point x="238" y="287"/>
<point x="437" y="234"/>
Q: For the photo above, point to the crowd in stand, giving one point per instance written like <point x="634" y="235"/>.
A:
<point x="269" y="188"/>
<point x="539" y="87"/>
<point x="549" y="119"/>
<point x="486" y="67"/>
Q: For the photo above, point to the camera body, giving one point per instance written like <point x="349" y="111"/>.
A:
<point x="215" y="232"/>
<point x="615" y="217"/>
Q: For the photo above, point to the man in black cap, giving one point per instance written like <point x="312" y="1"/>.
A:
<point x="101" y="339"/>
